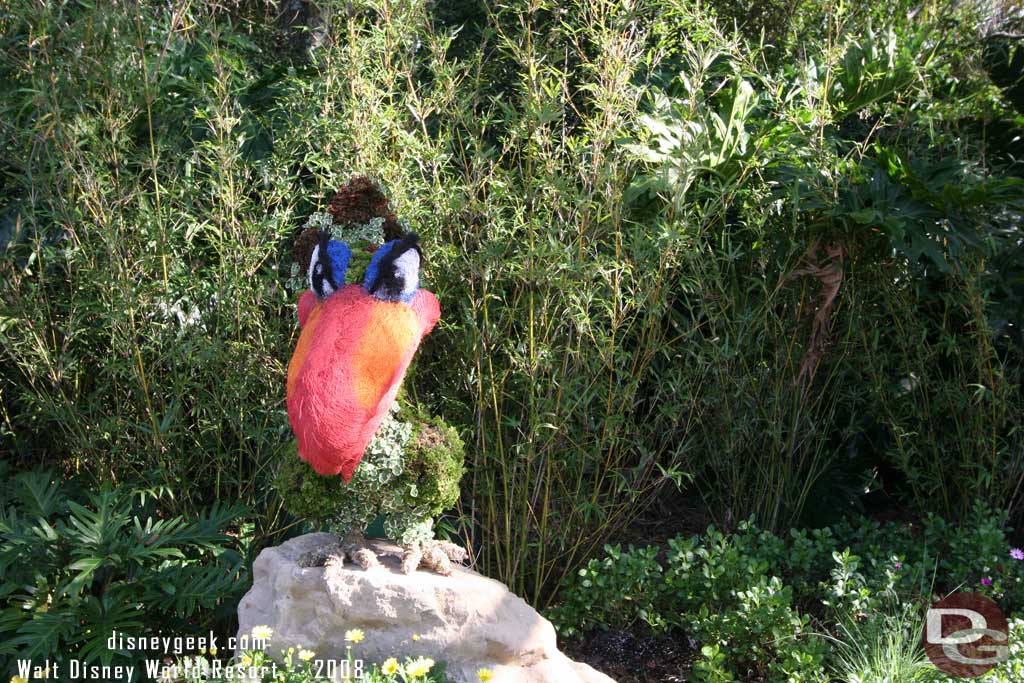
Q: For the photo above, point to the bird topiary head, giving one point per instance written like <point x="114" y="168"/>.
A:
<point x="360" y="216"/>
<point x="357" y="340"/>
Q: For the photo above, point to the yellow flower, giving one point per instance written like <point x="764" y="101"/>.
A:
<point x="415" y="637"/>
<point x="306" y="655"/>
<point x="213" y="650"/>
<point x="355" y="635"/>
<point x="245" y="660"/>
<point x="484" y="675"/>
<point x="262" y="632"/>
<point x="390" y="666"/>
<point x="202" y="650"/>
<point x="18" y="679"/>
<point x="419" y="667"/>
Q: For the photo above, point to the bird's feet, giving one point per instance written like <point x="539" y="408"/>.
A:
<point x="440" y="556"/>
<point x="436" y="555"/>
<point x="352" y="548"/>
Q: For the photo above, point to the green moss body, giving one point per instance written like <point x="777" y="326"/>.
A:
<point x="409" y="475"/>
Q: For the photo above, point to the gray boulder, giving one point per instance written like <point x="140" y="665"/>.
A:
<point x="467" y="620"/>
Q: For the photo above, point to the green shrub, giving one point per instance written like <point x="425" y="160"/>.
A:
<point x="948" y="399"/>
<point x="797" y="211"/>
<point x="719" y="589"/>
<point x="631" y="580"/>
<point x="79" y="564"/>
<point x="143" y="326"/>
<point x="722" y="589"/>
<point x="663" y="252"/>
<point x="757" y="602"/>
<point x="933" y="557"/>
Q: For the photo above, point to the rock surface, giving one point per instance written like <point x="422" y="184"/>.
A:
<point x="466" y="620"/>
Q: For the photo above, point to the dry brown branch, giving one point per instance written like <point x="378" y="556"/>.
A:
<point x="830" y="277"/>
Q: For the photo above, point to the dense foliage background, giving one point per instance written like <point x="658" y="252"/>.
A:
<point x="763" y="259"/>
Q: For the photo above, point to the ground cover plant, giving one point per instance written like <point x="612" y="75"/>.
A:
<point x="763" y="260"/>
<point x="791" y="607"/>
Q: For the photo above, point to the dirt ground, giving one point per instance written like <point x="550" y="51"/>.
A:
<point x="631" y="658"/>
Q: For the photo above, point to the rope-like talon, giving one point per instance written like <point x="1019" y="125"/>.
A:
<point x="455" y="553"/>
<point x="434" y="557"/>
<point x="411" y="559"/>
<point x="365" y="558"/>
<point x="440" y="556"/>
<point x="354" y="547"/>
<point x="333" y="568"/>
<point x="317" y="557"/>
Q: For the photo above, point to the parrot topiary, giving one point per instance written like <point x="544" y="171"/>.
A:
<point x="356" y="344"/>
<point x="363" y="451"/>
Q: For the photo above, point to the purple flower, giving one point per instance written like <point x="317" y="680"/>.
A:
<point x="987" y="582"/>
<point x="1017" y="554"/>
<point x="898" y="565"/>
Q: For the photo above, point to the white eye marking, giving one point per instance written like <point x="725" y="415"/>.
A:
<point x="314" y="263"/>
<point x="408" y="267"/>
